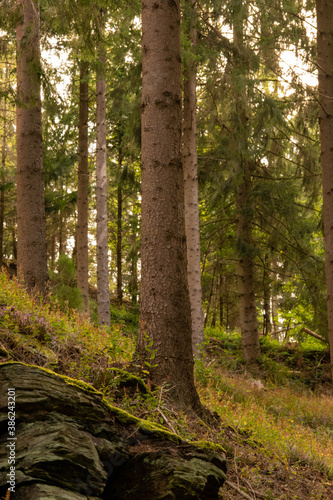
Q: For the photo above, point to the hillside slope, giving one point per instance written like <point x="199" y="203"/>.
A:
<point x="276" y="431"/>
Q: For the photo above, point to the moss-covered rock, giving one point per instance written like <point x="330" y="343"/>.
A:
<point x="122" y="380"/>
<point x="70" y="441"/>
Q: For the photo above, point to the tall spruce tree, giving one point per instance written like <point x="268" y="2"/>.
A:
<point x="83" y="189"/>
<point x="325" y="72"/>
<point x="244" y="210"/>
<point x="190" y="165"/>
<point x="31" y="244"/>
<point x="103" y="295"/>
<point x="164" y="344"/>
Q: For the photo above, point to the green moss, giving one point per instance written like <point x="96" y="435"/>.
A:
<point x="150" y="427"/>
<point x="208" y="445"/>
<point x="128" y="379"/>
<point x="4" y="352"/>
<point x="70" y="381"/>
<point x="121" y="415"/>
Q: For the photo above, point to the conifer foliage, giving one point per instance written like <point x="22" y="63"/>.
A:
<point x="184" y="171"/>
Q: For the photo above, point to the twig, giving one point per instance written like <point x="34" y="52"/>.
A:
<point x="160" y="398"/>
<point x="168" y="423"/>
<point x="241" y="492"/>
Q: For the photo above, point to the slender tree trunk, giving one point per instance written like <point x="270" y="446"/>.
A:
<point x="3" y="170"/>
<point x="134" y="280"/>
<point x="103" y="295"/>
<point x="245" y="273"/>
<point x="119" y="237"/>
<point x="32" y="247"/>
<point x="165" y="311"/>
<point x="61" y="234"/>
<point x="190" y="165"/>
<point x="221" y="309"/>
<point x="210" y="298"/>
<point x="14" y="243"/>
<point x="267" y="326"/>
<point x="83" y="189"/>
<point x="245" y="270"/>
<point x="325" y="71"/>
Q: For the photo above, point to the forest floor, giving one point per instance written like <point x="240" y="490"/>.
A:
<point x="276" y="430"/>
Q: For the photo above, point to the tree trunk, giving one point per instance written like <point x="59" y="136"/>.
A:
<point x="267" y="325"/>
<point x="134" y="280"/>
<point x="32" y="247"/>
<point x="245" y="274"/>
<point x="190" y="165"/>
<point x="221" y="311"/>
<point x="245" y="271"/>
<point x="119" y="240"/>
<point x="209" y="302"/>
<point x="83" y="187"/>
<point x="3" y="170"/>
<point x="164" y="344"/>
<point x="103" y="295"/>
<point x="325" y="72"/>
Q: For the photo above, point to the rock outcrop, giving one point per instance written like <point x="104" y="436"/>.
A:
<point x="69" y="444"/>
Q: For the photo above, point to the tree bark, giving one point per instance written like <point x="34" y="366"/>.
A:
<point x="164" y="345"/>
<point x="3" y="170"/>
<point x="314" y="334"/>
<point x="245" y="274"/>
<point x="325" y="73"/>
<point x="83" y="189"/>
<point x="119" y="238"/>
<point x="267" y="325"/>
<point x="245" y="271"/>
<point x="32" y="247"/>
<point x="190" y="165"/>
<point x="103" y="295"/>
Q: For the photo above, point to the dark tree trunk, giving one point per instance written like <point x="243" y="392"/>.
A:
<point x="325" y="72"/>
<point x="32" y="246"/>
<point x="103" y="295"/>
<point x="210" y="298"/>
<point x="221" y="308"/>
<point x="245" y="273"/>
<point x="83" y="190"/>
<point x="165" y="312"/>
<point x="267" y="325"/>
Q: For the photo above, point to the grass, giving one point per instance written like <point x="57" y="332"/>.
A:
<point x="277" y="434"/>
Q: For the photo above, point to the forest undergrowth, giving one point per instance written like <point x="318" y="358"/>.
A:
<point x="276" y="430"/>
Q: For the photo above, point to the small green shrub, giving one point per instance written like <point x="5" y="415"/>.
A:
<point x="65" y="292"/>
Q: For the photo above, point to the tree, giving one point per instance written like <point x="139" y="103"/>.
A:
<point x="83" y="189"/>
<point x="32" y="253"/>
<point x="103" y="296"/>
<point x="244" y="208"/>
<point x="190" y="164"/>
<point x="164" y="344"/>
<point x="325" y="73"/>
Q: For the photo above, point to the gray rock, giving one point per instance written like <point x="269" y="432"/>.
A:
<point x="70" y="444"/>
